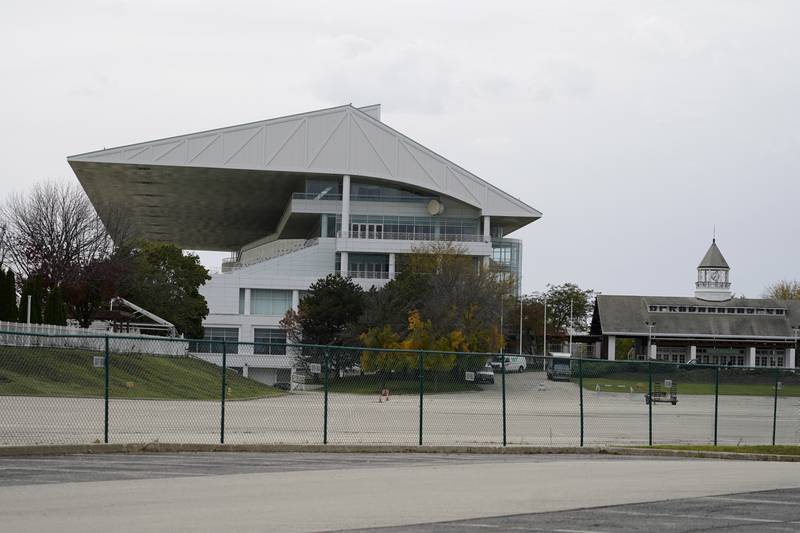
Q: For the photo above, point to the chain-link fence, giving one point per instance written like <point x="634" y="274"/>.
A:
<point x="77" y="389"/>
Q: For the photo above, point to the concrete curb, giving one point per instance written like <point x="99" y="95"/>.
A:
<point x="163" y="447"/>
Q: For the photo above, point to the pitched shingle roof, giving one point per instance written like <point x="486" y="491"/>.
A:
<point x="713" y="258"/>
<point x="628" y="314"/>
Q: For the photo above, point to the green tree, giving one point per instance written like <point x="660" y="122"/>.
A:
<point x="8" y="296"/>
<point x="166" y="281"/>
<point x="55" y="309"/>
<point x="784" y="290"/>
<point x="565" y="300"/>
<point x="441" y="301"/>
<point x="326" y="315"/>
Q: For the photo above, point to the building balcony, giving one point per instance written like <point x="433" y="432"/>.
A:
<point x="363" y="198"/>
<point x="369" y="274"/>
<point x="412" y="236"/>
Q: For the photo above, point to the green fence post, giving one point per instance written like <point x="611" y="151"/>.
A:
<point x="503" y="362"/>
<point x="105" y="393"/>
<point x="716" y="402"/>
<point x="775" y="406"/>
<point x="222" y="397"/>
<point x="325" y="387"/>
<point x="650" y="402"/>
<point x="580" y="389"/>
<point x="421" y="390"/>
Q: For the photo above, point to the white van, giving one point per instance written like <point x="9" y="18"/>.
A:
<point x="514" y="363"/>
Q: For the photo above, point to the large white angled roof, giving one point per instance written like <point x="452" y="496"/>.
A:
<point x="337" y="141"/>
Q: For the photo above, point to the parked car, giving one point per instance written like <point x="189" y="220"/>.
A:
<point x="514" y="363"/>
<point x="484" y="375"/>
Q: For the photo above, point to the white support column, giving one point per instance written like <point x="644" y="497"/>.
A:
<point x="245" y="369"/>
<point x="247" y="299"/>
<point x="653" y="351"/>
<point x="487" y="228"/>
<point x="751" y="357"/>
<point x="598" y="350"/>
<point x="295" y="300"/>
<point x="789" y="361"/>
<point x="612" y="348"/>
<point x="392" y="267"/>
<point x="692" y="354"/>
<point x="345" y="206"/>
<point x="344" y="266"/>
<point x="323" y="226"/>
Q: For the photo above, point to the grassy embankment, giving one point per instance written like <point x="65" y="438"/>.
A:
<point x="69" y="372"/>
<point x="778" y="450"/>
<point x="701" y="380"/>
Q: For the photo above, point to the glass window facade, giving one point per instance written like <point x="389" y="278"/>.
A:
<point x="218" y="335"/>
<point x="368" y="266"/>
<point x="507" y="258"/>
<point x="269" y="341"/>
<point x="271" y="302"/>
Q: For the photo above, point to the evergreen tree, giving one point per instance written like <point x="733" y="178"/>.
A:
<point x="11" y="295"/>
<point x="8" y="297"/>
<point x="54" y="309"/>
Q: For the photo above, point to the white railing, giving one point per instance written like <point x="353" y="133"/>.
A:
<point x="412" y="236"/>
<point x="279" y="253"/>
<point x="368" y="274"/>
<point x="50" y="336"/>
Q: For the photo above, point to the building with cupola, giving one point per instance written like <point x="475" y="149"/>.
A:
<point x="712" y="327"/>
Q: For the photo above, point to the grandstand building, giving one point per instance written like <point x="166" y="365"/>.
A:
<point x="713" y="327"/>
<point x="295" y="199"/>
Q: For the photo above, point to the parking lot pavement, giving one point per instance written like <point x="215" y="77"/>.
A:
<point x="250" y="492"/>
<point x="108" y="467"/>
<point x="749" y="512"/>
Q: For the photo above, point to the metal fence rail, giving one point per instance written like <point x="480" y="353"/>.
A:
<point x="97" y="388"/>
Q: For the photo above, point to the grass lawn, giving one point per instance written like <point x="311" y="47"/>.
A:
<point x="371" y="384"/>
<point x="69" y="372"/>
<point x="639" y="384"/>
<point x="779" y="450"/>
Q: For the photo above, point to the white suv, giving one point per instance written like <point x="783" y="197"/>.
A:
<point x="514" y="363"/>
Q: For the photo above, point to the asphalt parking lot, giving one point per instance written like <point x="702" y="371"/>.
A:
<point x="257" y="492"/>
<point x="750" y="512"/>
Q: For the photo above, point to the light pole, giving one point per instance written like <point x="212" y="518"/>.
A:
<point x="570" y="327"/>
<point x="544" y="341"/>
<point x="502" y="336"/>
<point x="520" y="325"/>
<point x="650" y="326"/>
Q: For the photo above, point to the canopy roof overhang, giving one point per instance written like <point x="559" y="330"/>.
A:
<point x="221" y="189"/>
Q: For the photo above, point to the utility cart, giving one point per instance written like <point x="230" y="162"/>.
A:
<point x="666" y="392"/>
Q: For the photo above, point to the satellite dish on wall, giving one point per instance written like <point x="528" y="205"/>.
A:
<point x="435" y="207"/>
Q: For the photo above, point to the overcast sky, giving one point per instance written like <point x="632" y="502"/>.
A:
<point x="635" y="127"/>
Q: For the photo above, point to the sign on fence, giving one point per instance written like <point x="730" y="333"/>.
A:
<point x="98" y="361"/>
<point x="469" y="376"/>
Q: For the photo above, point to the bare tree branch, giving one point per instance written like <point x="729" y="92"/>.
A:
<point x="51" y="230"/>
